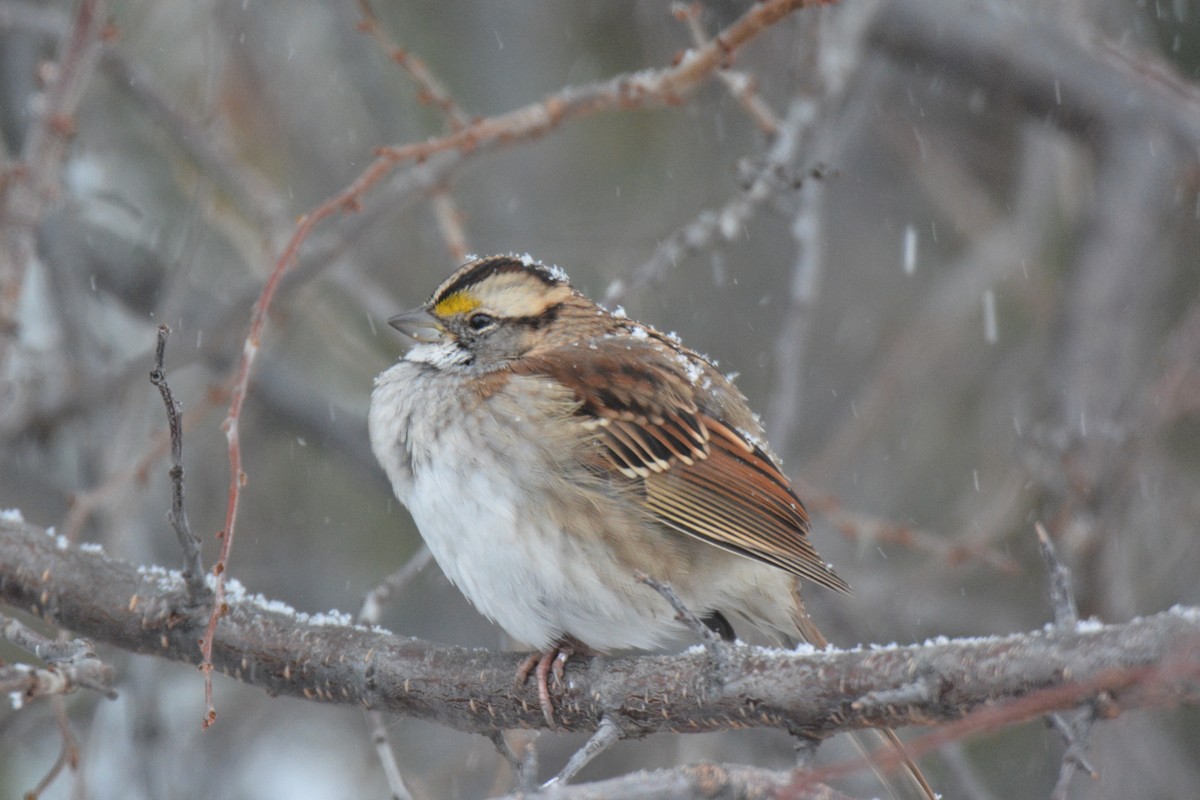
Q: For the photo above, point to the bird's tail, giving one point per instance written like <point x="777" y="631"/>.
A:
<point x="867" y="741"/>
<point x="909" y="785"/>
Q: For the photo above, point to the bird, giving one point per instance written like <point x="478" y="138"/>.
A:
<point x="553" y="453"/>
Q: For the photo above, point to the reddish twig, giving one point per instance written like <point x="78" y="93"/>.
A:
<point x="857" y="526"/>
<point x="429" y="89"/>
<point x="743" y="86"/>
<point x="68" y="755"/>
<point x="1103" y="685"/>
<point x="450" y="225"/>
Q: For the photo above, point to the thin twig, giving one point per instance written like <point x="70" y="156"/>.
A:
<point x="429" y="89"/>
<point x="607" y="734"/>
<point x="368" y="614"/>
<point x="70" y="665"/>
<point x="860" y="527"/>
<point x="377" y="727"/>
<point x="387" y="588"/>
<point x="1066" y="614"/>
<point x="523" y="766"/>
<point x="68" y="755"/>
<point x="711" y="641"/>
<point x="727" y="222"/>
<point x="49" y="650"/>
<point x="193" y="567"/>
<point x="1075" y="735"/>
<point x="741" y="85"/>
<point x="1066" y="617"/>
<point x="450" y="225"/>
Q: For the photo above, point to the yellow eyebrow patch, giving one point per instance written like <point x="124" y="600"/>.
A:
<point x="457" y="303"/>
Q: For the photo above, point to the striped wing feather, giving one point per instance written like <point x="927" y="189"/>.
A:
<point x="699" y="476"/>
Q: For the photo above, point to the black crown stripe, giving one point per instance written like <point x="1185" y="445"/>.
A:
<point x="485" y="268"/>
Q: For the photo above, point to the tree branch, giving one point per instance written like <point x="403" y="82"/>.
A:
<point x="1153" y="661"/>
<point x="70" y="666"/>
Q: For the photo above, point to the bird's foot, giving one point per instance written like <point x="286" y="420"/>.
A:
<point x="543" y="665"/>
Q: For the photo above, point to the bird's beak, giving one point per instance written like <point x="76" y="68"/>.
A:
<point x="419" y="325"/>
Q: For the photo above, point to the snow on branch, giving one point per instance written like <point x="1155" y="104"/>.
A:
<point x="1154" y="661"/>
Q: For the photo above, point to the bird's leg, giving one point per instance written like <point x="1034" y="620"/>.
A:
<point x="543" y="665"/>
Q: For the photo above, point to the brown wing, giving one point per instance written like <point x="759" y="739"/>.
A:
<point x="698" y="475"/>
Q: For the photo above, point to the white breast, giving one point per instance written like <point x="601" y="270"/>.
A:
<point x="480" y="509"/>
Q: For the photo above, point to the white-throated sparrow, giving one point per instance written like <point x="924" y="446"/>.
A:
<point x="549" y="451"/>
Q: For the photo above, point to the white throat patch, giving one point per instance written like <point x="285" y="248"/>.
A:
<point x="438" y="354"/>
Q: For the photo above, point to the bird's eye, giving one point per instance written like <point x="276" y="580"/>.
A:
<point x="480" y="321"/>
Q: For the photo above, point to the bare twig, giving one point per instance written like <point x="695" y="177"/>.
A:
<point x="387" y="588"/>
<point x="1066" y="614"/>
<point x="429" y="89"/>
<point x="607" y="734"/>
<point x="741" y="85"/>
<point x="68" y="754"/>
<point x="1066" y="617"/>
<point x="48" y="650"/>
<point x="71" y="665"/>
<point x="377" y="728"/>
<point x="860" y="527"/>
<point x="85" y="503"/>
<point x="525" y="765"/>
<point x="712" y="642"/>
<point x="727" y="222"/>
<point x="193" y="568"/>
<point x="1075" y="735"/>
<point x="368" y="614"/>
<point x="22" y="683"/>
<point x="450" y="225"/>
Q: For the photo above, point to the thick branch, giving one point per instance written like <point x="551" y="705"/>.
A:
<point x="1148" y="662"/>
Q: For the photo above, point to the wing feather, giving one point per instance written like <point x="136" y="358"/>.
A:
<point x="698" y="474"/>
